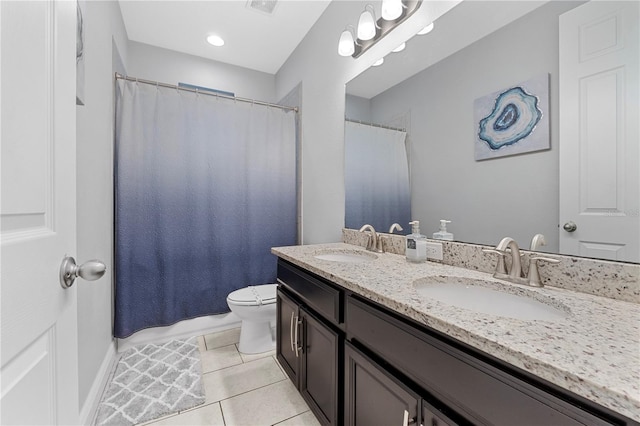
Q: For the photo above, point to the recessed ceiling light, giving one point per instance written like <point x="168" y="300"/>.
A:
<point x="426" y="29"/>
<point x="215" y="40"/>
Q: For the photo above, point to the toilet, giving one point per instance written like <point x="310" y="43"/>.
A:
<point x="256" y="307"/>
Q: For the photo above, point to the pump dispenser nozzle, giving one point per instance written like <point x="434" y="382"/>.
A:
<point x="443" y="234"/>
<point x="415" y="226"/>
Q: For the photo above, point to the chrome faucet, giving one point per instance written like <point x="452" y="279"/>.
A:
<point x="395" y="227"/>
<point x="374" y="243"/>
<point x="508" y="245"/>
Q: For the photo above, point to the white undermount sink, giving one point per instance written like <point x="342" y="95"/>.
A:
<point x="346" y="256"/>
<point x="492" y="298"/>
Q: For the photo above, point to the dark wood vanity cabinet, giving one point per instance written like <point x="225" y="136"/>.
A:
<point x="358" y="363"/>
<point x="309" y="345"/>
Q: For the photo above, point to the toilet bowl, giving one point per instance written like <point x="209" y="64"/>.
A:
<point x="256" y="307"/>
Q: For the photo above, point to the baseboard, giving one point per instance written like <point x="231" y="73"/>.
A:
<point x="186" y="328"/>
<point x="88" y="410"/>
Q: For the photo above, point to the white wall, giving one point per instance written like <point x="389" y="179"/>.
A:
<point x="94" y="130"/>
<point x="515" y="196"/>
<point x="168" y="66"/>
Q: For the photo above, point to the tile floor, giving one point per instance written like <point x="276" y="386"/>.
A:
<point x="250" y="390"/>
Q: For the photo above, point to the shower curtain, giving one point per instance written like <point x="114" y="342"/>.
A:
<point x="377" y="188"/>
<point x="205" y="186"/>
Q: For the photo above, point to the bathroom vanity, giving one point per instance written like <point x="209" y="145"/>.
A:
<point x="365" y="347"/>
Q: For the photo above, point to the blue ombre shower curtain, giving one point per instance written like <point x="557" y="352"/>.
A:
<point x="205" y="186"/>
<point x="377" y="188"/>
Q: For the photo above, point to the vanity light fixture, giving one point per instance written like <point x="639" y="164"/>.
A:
<point x="425" y="30"/>
<point x="378" y="62"/>
<point x="367" y="27"/>
<point x="391" y="9"/>
<point x="399" y="48"/>
<point x="346" y="45"/>
<point x="215" y="40"/>
<point x="370" y="30"/>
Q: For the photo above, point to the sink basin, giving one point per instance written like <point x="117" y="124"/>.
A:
<point x="346" y="256"/>
<point x="492" y="298"/>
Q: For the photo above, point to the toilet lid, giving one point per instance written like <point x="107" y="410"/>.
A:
<point x="254" y="295"/>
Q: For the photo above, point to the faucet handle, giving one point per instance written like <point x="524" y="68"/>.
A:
<point x="534" y="273"/>
<point x="501" y="268"/>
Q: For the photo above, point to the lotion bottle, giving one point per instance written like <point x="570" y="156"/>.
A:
<point x="442" y="234"/>
<point x="416" y="250"/>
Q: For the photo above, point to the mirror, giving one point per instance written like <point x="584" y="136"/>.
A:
<point x="485" y="200"/>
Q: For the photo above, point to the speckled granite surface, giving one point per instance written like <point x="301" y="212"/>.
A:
<point x="616" y="280"/>
<point x="594" y="351"/>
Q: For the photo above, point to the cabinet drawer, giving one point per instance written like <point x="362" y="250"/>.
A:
<point x="318" y="294"/>
<point x="478" y="391"/>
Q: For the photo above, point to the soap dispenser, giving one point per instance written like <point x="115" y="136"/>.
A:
<point x="442" y="234"/>
<point x="416" y="244"/>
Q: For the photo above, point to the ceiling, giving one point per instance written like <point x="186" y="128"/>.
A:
<point x="253" y="39"/>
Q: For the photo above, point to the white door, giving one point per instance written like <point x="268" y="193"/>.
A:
<point x="38" y="355"/>
<point x="600" y="131"/>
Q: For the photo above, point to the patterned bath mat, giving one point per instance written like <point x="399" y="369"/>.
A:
<point x="151" y="381"/>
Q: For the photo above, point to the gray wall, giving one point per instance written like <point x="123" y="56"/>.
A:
<point x="168" y="66"/>
<point x="322" y="73"/>
<point x="515" y="196"/>
<point x="94" y="132"/>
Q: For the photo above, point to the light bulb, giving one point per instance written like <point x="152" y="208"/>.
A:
<point x="215" y="40"/>
<point x="391" y="9"/>
<point x="345" y="45"/>
<point x="366" y="26"/>
<point x="400" y="48"/>
<point x="426" y="30"/>
<point x="378" y="62"/>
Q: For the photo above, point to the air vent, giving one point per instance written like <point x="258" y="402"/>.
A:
<point x="264" y="6"/>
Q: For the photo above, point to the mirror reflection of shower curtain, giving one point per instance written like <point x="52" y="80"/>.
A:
<point x="205" y="186"/>
<point x="376" y="177"/>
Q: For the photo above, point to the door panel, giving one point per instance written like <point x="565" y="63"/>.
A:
<point x="39" y="318"/>
<point x="600" y="131"/>
<point x="319" y="374"/>
<point x="287" y="317"/>
<point x="372" y="396"/>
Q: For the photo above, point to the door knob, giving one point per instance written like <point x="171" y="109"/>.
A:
<point x="570" y="226"/>
<point x="90" y="271"/>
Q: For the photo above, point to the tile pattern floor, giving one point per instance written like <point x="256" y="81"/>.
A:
<point x="242" y="390"/>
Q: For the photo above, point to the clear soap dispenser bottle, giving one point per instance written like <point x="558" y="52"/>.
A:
<point x="442" y="234"/>
<point x="416" y="244"/>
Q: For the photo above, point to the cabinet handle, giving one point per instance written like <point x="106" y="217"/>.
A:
<point x="406" y="421"/>
<point x="297" y="347"/>
<point x="291" y="330"/>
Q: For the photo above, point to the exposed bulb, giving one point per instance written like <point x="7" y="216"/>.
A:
<point x="391" y="9"/>
<point x="366" y="25"/>
<point x="346" y="46"/>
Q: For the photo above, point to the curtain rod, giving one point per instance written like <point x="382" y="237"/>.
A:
<point x="382" y="126"/>
<point x="204" y="92"/>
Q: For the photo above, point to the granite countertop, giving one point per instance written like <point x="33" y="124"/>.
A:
<point x="593" y="352"/>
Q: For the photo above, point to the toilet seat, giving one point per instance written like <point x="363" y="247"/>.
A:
<point x="253" y="295"/>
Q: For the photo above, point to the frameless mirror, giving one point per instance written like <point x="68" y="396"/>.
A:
<point x="429" y="89"/>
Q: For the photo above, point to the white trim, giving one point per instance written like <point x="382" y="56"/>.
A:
<point x="88" y="410"/>
<point x="187" y="328"/>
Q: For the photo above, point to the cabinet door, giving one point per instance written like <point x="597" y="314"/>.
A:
<point x="433" y="417"/>
<point x="373" y="396"/>
<point x="286" y="332"/>
<point x="319" y="373"/>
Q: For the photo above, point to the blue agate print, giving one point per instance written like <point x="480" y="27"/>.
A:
<point x="514" y="116"/>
